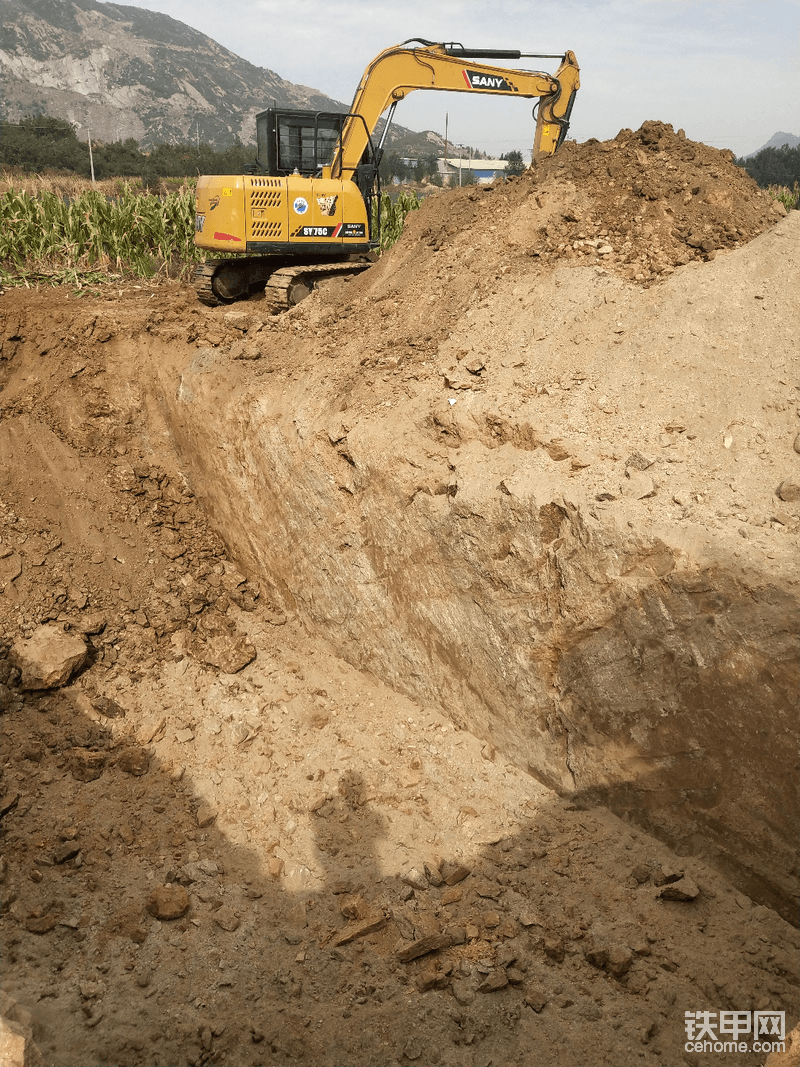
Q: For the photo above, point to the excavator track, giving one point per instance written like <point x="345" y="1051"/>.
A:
<point x="289" y="285"/>
<point x="285" y="286"/>
<point x="202" y="285"/>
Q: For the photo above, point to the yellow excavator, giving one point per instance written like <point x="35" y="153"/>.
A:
<point x="304" y="211"/>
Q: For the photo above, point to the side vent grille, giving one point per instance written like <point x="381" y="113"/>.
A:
<point x="266" y="198"/>
<point x="265" y="183"/>
<point x="266" y="229"/>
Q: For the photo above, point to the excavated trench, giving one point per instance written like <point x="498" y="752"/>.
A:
<point x="584" y="606"/>
<point x="550" y="503"/>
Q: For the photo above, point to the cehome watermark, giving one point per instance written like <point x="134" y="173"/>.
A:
<point x="711" y="1031"/>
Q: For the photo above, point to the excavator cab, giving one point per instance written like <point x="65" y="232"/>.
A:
<point x="296" y="142"/>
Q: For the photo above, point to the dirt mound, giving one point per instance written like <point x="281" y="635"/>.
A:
<point x="642" y="204"/>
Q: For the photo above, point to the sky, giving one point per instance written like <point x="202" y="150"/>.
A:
<point x="726" y="71"/>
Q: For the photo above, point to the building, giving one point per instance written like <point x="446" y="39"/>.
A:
<point x="484" y="170"/>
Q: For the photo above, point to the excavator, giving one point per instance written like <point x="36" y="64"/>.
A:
<point x="304" y="213"/>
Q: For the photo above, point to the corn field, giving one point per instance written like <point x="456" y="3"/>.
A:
<point x="49" y="237"/>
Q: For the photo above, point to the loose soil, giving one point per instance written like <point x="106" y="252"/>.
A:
<point x="228" y="835"/>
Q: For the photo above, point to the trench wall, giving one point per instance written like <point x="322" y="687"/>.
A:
<point x="613" y="665"/>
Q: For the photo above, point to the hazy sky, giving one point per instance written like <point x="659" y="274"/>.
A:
<point x="727" y="71"/>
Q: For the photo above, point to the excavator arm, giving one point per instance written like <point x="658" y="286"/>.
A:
<point x="400" y="70"/>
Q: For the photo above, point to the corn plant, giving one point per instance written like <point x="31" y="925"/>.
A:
<point x="790" y="198"/>
<point x="388" y="225"/>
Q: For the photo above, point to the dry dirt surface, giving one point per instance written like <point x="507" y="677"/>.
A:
<point x="410" y="678"/>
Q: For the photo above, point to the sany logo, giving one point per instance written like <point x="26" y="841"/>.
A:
<point x="475" y="79"/>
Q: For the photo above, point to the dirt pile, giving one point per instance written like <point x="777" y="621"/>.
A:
<point x="643" y="204"/>
<point x="521" y="491"/>
<point x="497" y="454"/>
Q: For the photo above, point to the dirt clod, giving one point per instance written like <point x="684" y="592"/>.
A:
<point x="168" y="902"/>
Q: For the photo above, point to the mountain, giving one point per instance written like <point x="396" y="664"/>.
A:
<point x="777" y="140"/>
<point x="126" y="72"/>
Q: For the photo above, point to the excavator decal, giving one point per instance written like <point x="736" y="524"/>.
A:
<point x="341" y="229"/>
<point x="318" y="231"/>
<point x="327" y="204"/>
<point x="476" y="80"/>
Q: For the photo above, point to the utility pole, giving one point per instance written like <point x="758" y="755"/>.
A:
<point x="91" y="158"/>
<point x="446" y="121"/>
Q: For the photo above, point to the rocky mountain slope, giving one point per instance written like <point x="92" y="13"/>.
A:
<point x="777" y="140"/>
<point x="127" y="72"/>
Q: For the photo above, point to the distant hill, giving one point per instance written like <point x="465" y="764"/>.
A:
<point x="778" y="140"/>
<point x="127" y="72"/>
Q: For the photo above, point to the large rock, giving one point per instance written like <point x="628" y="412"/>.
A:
<point x="49" y="658"/>
<point x="17" y="1048"/>
<point x="168" y="902"/>
<point x="217" y="641"/>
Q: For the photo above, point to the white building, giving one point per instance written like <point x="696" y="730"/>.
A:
<point x="484" y="170"/>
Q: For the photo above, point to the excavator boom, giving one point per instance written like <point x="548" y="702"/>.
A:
<point x="399" y="70"/>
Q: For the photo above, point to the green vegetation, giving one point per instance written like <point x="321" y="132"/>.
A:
<point x="62" y="232"/>
<point x="91" y="237"/>
<point x="46" y="237"/>
<point x="424" y="169"/>
<point x="40" y="141"/>
<point x="778" y="168"/>
<point x="393" y="215"/>
<point x="515" y="165"/>
<point x="790" y="198"/>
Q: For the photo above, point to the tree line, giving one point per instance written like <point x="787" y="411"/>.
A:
<point x="393" y="165"/>
<point x="774" y="166"/>
<point x="41" y="142"/>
